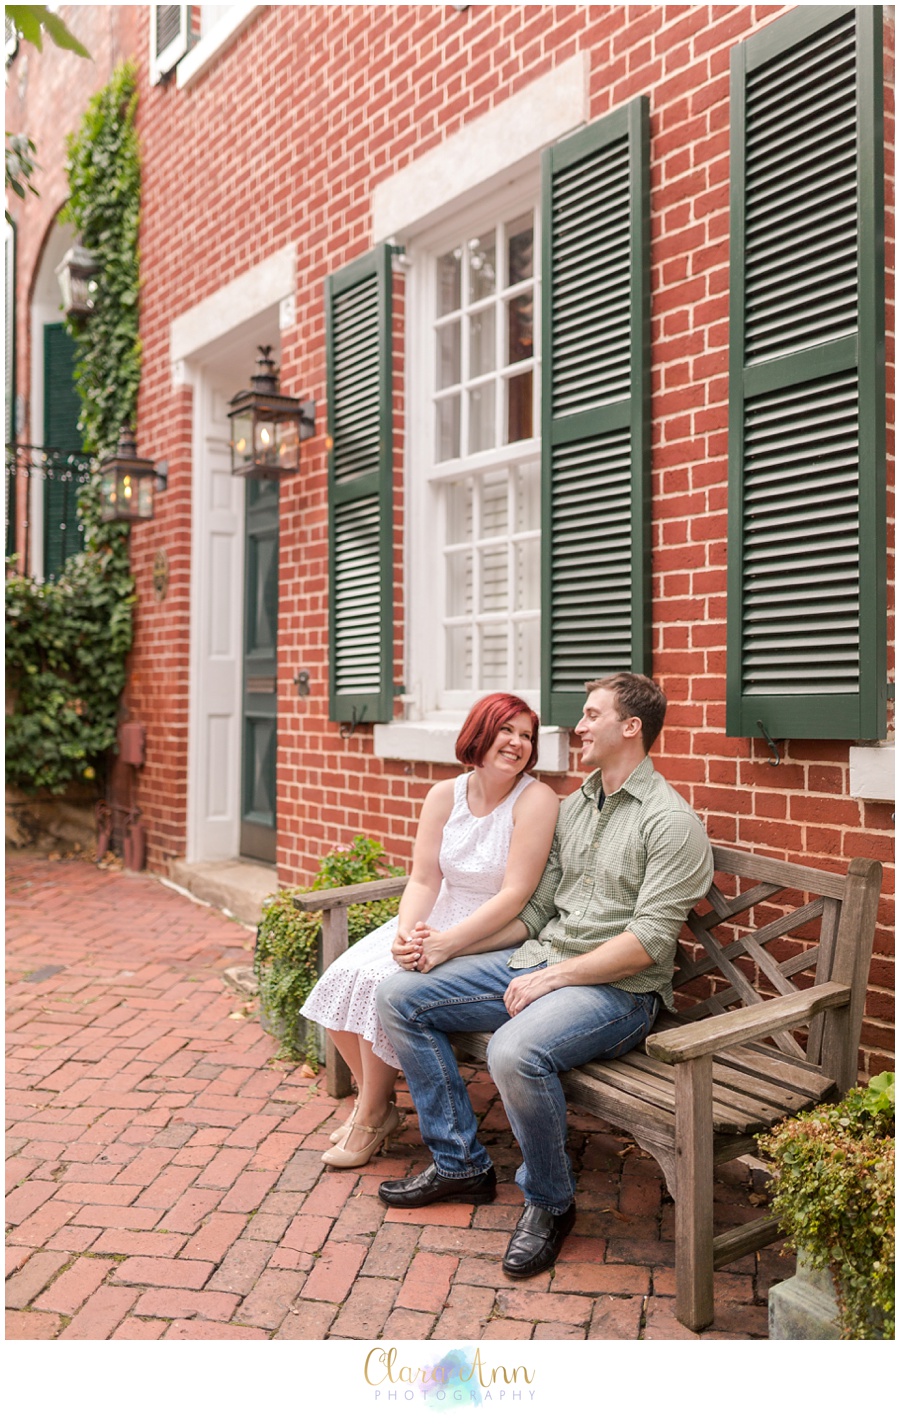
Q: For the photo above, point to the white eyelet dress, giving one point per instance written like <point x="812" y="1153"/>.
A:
<point x="474" y="852"/>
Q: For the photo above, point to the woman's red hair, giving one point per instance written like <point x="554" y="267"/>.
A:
<point x="485" y="721"/>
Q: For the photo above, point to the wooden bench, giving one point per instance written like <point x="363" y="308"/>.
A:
<point x="774" y="948"/>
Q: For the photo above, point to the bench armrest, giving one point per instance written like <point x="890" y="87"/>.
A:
<point x="739" y="1026"/>
<point x="357" y="894"/>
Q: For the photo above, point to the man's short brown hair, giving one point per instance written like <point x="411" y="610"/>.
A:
<point x="636" y="696"/>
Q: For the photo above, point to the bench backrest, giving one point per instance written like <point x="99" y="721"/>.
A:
<point x="771" y="928"/>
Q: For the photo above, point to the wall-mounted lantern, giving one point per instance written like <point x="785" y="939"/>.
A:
<point x="76" y="276"/>
<point x="129" y="483"/>
<point x="267" y="427"/>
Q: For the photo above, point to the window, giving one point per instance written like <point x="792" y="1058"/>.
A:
<point x="527" y="497"/>
<point x="169" y="38"/>
<point x="807" y="602"/>
<point x="475" y="462"/>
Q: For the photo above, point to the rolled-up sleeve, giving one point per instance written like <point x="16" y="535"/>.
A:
<point x="679" y="871"/>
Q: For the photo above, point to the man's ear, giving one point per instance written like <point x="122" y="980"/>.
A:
<point x="632" y="727"/>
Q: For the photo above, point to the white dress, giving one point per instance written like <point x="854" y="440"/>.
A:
<point x="474" y="852"/>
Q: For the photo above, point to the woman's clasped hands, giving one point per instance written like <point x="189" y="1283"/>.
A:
<point x="423" y="949"/>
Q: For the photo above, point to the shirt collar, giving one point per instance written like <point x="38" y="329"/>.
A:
<point x="637" y="785"/>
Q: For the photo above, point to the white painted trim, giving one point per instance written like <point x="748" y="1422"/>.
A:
<point x="207" y="50"/>
<point x="266" y="285"/>
<point x="470" y="160"/>
<point x="435" y="742"/>
<point x="872" y="772"/>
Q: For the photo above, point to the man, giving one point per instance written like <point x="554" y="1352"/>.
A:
<point x="595" y="956"/>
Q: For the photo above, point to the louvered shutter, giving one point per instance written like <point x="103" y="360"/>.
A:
<point x="360" y="472"/>
<point x="595" y="578"/>
<point x="62" y="412"/>
<point x="169" y="38"/>
<point x="806" y="597"/>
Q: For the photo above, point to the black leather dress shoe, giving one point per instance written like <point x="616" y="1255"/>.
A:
<point x="431" y="1187"/>
<point x="536" y="1242"/>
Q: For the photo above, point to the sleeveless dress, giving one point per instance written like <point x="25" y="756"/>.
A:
<point x="473" y="856"/>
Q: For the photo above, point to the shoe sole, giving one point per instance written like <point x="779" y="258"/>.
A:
<point x="477" y="1199"/>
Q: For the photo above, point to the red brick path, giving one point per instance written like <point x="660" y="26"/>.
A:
<point x="165" y="1180"/>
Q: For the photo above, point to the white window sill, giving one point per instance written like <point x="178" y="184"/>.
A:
<point x="434" y="741"/>
<point x="198" y="60"/>
<point x="872" y="772"/>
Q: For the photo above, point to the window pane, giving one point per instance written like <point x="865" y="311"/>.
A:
<point x="459" y="583"/>
<point x="459" y="512"/>
<point x="448" y="286"/>
<point x="448" y="428"/>
<point x="481" y="418"/>
<point x="459" y="658"/>
<point x="494" y="672"/>
<point x="519" y="392"/>
<point x="520" y="316"/>
<point x="494" y="581"/>
<point x="482" y="266"/>
<point x="528" y="575"/>
<point x="448" y="368"/>
<point x="527" y="662"/>
<point x="482" y="343"/>
<point x="494" y="506"/>
<point x="520" y="249"/>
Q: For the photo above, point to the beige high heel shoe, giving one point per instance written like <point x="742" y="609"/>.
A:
<point x="338" y="1157"/>
<point x="344" y="1128"/>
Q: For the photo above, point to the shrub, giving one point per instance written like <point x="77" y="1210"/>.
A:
<point x="833" y="1171"/>
<point x="286" y="957"/>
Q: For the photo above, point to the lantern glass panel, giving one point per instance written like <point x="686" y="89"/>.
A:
<point x="145" y="497"/>
<point x="108" y="497"/>
<point x="241" y="440"/>
<point x="265" y="449"/>
<point x="288" y="440"/>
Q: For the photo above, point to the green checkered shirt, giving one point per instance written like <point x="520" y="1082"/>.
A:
<point x="637" y="864"/>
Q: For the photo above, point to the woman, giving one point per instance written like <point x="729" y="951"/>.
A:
<point x="482" y="843"/>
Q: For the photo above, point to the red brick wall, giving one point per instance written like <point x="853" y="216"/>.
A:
<point x="283" y="140"/>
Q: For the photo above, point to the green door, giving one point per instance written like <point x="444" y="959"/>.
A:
<point x="62" y="411"/>
<point x="259" y="730"/>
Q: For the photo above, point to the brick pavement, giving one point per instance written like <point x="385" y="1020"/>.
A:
<point x="164" y="1174"/>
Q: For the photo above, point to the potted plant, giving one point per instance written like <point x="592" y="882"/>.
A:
<point x="286" y="958"/>
<point x="833" y="1196"/>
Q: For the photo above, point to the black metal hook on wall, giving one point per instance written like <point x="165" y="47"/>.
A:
<point x="773" y="745"/>
<point x="348" y="729"/>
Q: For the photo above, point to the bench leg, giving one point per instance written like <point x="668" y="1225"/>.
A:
<point x="334" y="943"/>
<point x="694" y="1203"/>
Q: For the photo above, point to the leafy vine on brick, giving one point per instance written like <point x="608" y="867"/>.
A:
<point x="67" y="641"/>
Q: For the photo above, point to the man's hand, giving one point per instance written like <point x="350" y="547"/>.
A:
<point x="522" y="991"/>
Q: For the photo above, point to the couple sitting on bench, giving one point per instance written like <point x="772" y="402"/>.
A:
<point x="552" y="925"/>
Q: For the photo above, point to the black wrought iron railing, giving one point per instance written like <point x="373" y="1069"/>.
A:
<point x="42" y="487"/>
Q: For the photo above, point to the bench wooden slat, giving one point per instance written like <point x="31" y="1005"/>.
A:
<point x="770" y="1091"/>
<point x="733" y="1111"/>
<point x="780" y="873"/>
<point x="358" y="894"/>
<point x="764" y="1062"/>
<point x="748" y="1237"/>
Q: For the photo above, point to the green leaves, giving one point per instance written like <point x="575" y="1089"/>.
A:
<point x="20" y="164"/>
<point x="31" y="20"/>
<point x="65" y="658"/>
<point x="103" y="167"/>
<point x="833" y="1170"/>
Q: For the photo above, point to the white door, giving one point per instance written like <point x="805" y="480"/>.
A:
<point x="217" y="581"/>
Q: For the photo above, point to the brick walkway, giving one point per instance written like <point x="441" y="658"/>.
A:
<point x="165" y="1179"/>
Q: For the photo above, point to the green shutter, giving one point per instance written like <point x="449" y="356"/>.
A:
<point x="595" y="540"/>
<point x="62" y="412"/>
<point x="360" y="475"/>
<point x="807" y="631"/>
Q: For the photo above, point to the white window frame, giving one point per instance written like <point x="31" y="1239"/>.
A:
<point x="425" y="601"/>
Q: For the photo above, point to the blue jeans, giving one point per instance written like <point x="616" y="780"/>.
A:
<point x="525" y="1057"/>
